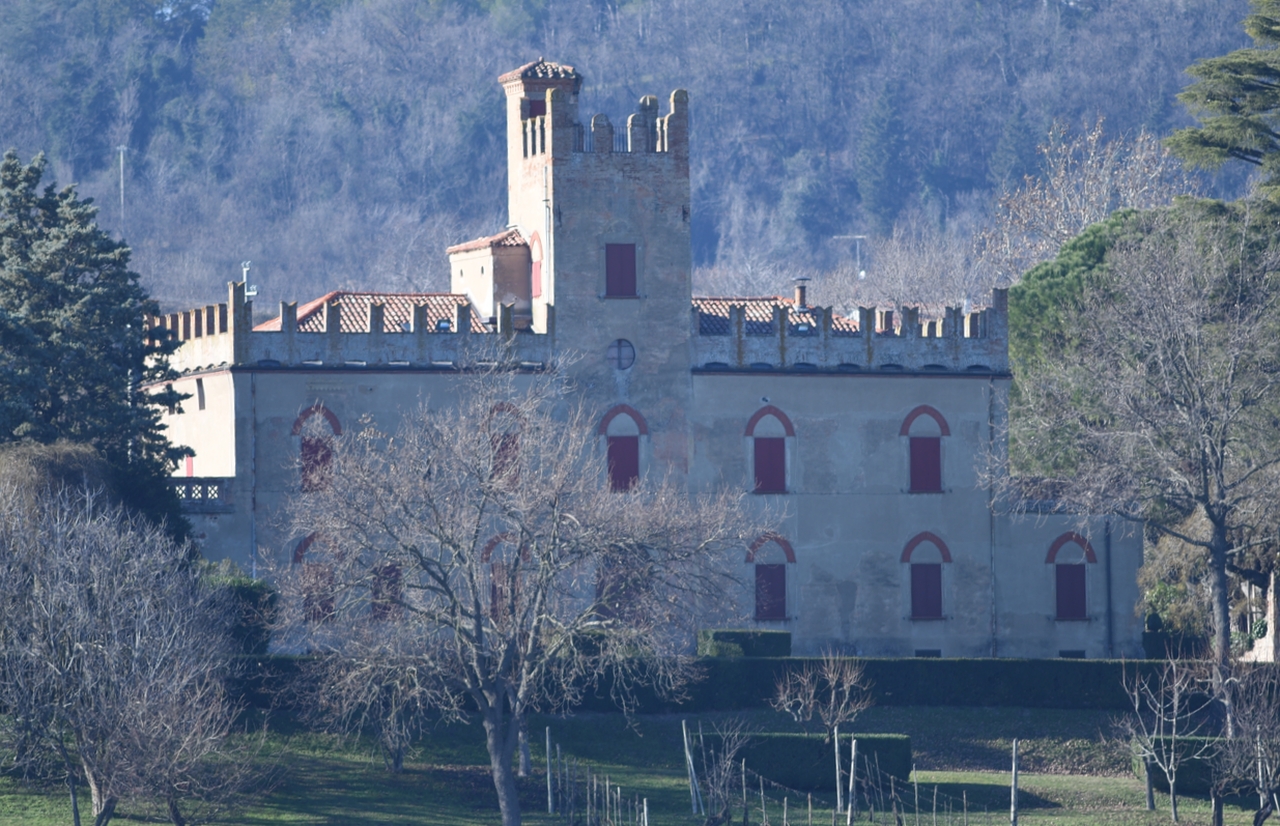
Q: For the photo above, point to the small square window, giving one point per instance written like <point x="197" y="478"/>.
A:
<point x="620" y="270"/>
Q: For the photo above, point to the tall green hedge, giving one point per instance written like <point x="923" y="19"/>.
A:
<point x="737" y="683"/>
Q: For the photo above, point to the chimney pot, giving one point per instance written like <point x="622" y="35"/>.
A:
<point x="802" y="282"/>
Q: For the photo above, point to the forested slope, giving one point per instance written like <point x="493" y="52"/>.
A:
<point x="346" y="143"/>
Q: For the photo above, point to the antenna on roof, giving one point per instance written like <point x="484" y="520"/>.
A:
<point x="250" y="290"/>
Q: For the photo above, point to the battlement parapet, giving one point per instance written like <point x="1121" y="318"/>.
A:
<point x="551" y="127"/>
<point x="776" y="333"/>
<point x="221" y="336"/>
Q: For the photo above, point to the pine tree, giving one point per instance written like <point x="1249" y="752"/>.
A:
<point x="74" y="356"/>
<point x="1237" y="98"/>
<point x="884" y="176"/>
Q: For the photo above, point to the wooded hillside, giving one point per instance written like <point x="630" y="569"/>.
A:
<point x="346" y="143"/>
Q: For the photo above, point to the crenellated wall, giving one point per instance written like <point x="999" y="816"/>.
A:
<point x="807" y="339"/>
<point x="222" y="336"/>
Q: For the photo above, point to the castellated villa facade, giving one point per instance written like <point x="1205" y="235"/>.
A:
<point x="866" y="432"/>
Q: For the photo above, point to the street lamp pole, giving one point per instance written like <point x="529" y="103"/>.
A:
<point x="857" y="239"/>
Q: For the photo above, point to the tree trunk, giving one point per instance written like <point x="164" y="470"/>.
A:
<point x="175" y="814"/>
<point x="104" y="806"/>
<point x="498" y="741"/>
<point x="1221" y="622"/>
<point x="1215" y="804"/>
<point x="1173" y="799"/>
<point x="526" y="762"/>
<point x="75" y="801"/>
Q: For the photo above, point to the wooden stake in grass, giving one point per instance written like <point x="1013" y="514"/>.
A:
<point x="1013" y="787"/>
<point x="551" y="803"/>
<point x="935" y="805"/>
<point x="853" y="779"/>
<point x="915" y="784"/>
<point x="964" y="795"/>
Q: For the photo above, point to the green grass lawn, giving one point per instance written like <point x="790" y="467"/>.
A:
<point x="959" y="751"/>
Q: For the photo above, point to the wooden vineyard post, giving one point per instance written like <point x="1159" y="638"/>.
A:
<point x="1013" y="787"/>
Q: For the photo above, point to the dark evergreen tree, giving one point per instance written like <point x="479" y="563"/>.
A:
<point x="1237" y="97"/>
<point x="884" y="174"/>
<point x="74" y="356"/>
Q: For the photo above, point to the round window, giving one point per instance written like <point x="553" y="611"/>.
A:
<point x="621" y="354"/>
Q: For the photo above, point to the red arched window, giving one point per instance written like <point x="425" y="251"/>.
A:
<point x="1069" y="554"/>
<point x="316" y="445"/>
<point x="770" y="554"/>
<point x="504" y="562"/>
<point x="926" y="553"/>
<point x="924" y="428"/>
<point x="622" y="428"/>
<point x="768" y="430"/>
<point x="316" y="580"/>
<point x="505" y="424"/>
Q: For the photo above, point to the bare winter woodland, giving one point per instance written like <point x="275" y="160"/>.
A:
<point x="346" y="143"/>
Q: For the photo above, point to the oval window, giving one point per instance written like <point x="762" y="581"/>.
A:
<point x="621" y="354"/>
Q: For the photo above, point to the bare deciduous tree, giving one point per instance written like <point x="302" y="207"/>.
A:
<point x="722" y="769"/>
<point x="1249" y="759"/>
<point x="112" y="657"/>
<point x="488" y="528"/>
<point x="1164" y="404"/>
<point x="1167" y="727"/>
<point x="1086" y="178"/>
<point x="834" y="688"/>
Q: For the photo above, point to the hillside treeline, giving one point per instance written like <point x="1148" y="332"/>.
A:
<point x="346" y="143"/>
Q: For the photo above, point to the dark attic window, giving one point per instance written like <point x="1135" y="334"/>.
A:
<point x="537" y="108"/>
<point x="620" y="270"/>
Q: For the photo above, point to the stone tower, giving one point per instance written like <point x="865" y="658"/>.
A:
<point x="606" y="215"/>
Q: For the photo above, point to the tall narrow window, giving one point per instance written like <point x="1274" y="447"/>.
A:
<point x="770" y="554"/>
<point x="620" y="270"/>
<point x="926" y="590"/>
<point x="1070" y="587"/>
<point x="924" y="428"/>
<point x="1070" y="554"/>
<point x="624" y="462"/>
<point x="200" y="394"/>
<point x="623" y="429"/>
<point x="926" y="553"/>
<point x="771" y="591"/>
<point x="926" y="464"/>
<point x="768" y="431"/>
<point x="771" y="464"/>
<point x="316" y="427"/>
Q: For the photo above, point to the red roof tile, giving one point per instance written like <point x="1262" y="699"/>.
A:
<point x="541" y="69"/>
<point x="506" y="238"/>
<point x="713" y="316"/>
<point x="397" y="311"/>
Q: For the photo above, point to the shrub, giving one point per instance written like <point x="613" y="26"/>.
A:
<point x="729" y="642"/>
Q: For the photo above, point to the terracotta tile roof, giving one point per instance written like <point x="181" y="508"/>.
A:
<point x="713" y="316"/>
<point x="506" y="238"/>
<point x="397" y="312"/>
<point x="541" y="69"/>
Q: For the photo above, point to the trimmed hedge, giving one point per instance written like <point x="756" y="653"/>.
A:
<point x="807" y="762"/>
<point x="737" y="683"/>
<point x="735" y="642"/>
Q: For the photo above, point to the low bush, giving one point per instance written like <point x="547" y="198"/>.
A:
<point x="734" y="642"/>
